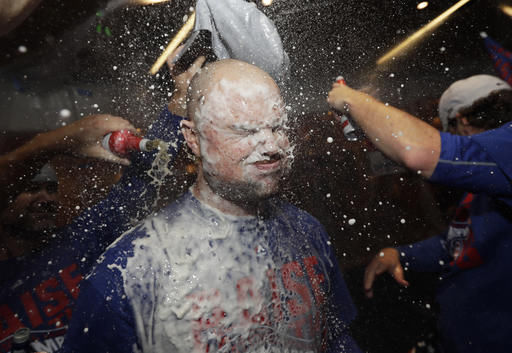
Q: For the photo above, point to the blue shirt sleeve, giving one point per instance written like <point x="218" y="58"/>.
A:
<point x="131" y="198"/>
<point x="429" y="255"/>
<point x="102" y="318"/>
<point x="343" y="310"/>
<point x="464" y="163"/>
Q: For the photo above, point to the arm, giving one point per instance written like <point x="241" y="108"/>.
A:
<point x="341" y="307"/>
<point x="102" y="317"/>
<point x="429" y="255"/>
<point x="479" y="163"/>
<point x="14" y="12"/>
<point x="340" y="338"/>
<point x="80" y="138"/>
<point x="402" y="137"/>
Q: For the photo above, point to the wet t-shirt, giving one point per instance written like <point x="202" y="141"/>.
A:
<point x="191" y="279"/>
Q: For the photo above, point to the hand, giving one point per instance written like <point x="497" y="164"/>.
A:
<point x="387" y="260"/>
<point x="83" y="137"/>
<point x="338" y="95"/>
<point x="178" y="103"/>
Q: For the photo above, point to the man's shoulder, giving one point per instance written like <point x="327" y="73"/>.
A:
<point x="497" y="143"/>
<point x="167" y="215"/>
<point x="157" y="227"/>
<point x="287" y="210"/>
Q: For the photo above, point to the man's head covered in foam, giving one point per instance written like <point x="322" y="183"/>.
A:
<point x="236" y="128"/>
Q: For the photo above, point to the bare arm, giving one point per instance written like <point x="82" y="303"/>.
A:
<point x="14" y="12"/>
<point x="401" y="136"/>
<point x="80" y="138"/>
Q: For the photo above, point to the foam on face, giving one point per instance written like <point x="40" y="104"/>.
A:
<point x="250" y="113"/>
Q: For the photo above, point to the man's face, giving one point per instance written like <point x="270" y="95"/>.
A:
<point x="244" y="147"/>
<point x="35" y="209"/>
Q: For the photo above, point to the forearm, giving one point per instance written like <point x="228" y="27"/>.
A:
<point x="13" y="12"/>
<point x="428" y="255"/>
<point x="402" y="137"/>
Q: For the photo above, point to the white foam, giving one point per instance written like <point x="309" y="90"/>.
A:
<point x="176" y="265"/>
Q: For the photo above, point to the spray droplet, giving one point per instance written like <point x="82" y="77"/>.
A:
<point x="65" y="113"/>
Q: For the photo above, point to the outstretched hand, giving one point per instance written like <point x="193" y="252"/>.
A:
<point x="84" y="136"/>
<point x="387" y="260"/>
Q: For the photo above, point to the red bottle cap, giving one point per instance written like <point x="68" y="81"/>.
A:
<point x="121" y="142"/>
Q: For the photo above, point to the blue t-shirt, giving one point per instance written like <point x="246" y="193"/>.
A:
<point x="39" y="291"/>
<point x="473" y="255"/>
<point x="191" y="279"/>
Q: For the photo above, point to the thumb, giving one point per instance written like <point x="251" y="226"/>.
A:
<point x="372" y="271"/>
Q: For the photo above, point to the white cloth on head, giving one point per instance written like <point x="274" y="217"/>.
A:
<point x="463" y="93"/>
<point x="241" y="31"/>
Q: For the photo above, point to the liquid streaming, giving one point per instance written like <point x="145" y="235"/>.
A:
<point x="158" y="172"/>
<point x="159" y="169"/>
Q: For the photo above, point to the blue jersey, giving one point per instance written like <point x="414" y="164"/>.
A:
<point x="191" y="279"/>
<point x="39" y="291"/>
<point x="473" y="256"/>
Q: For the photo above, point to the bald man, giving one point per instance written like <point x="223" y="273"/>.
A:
<point x="228" y="267"/>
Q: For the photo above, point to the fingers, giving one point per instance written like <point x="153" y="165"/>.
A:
<point x="196" y="65"/>
<point x="171" y="58"/>
<point x="369" y="277"/>
<point x="398" y="275"/>
<point x="89" y="131"/>
<point x="98" y="152"/>
<point x="387" y="260"/>
<point x="107" y="123"/>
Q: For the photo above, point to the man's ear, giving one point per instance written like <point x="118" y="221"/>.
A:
<point x="188" y="128"/>
<point x="463" y="120"/>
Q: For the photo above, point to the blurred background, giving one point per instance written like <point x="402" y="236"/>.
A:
<point x="69" y="59"/>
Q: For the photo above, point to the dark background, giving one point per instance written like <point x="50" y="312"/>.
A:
<point x="74" y="62"/>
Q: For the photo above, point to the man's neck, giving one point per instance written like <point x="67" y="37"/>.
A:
<point x="202" y="191"/>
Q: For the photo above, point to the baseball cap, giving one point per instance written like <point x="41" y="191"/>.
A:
<point x="463" y="93"/>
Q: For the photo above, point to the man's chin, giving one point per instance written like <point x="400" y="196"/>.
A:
<point x="249" y="193"/>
